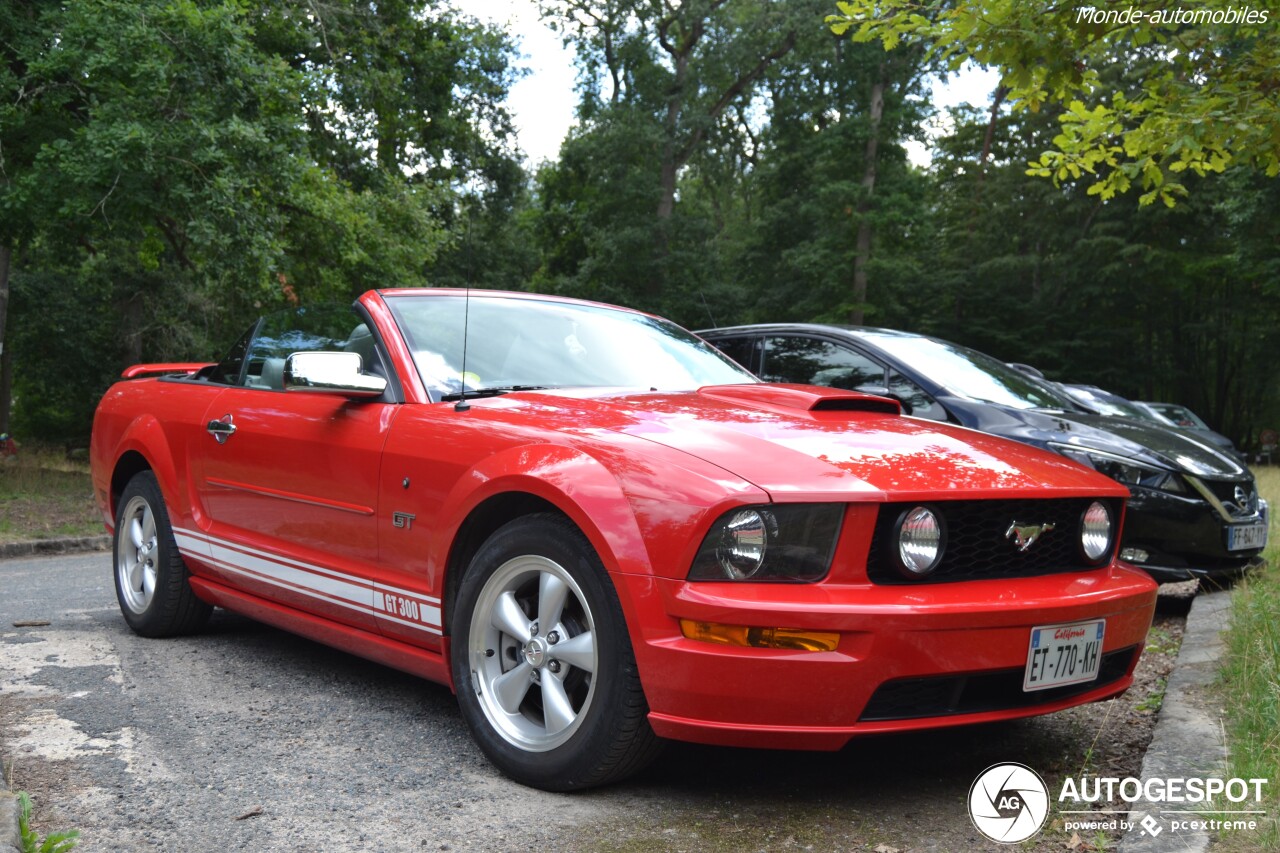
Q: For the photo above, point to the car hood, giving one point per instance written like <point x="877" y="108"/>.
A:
<point x="1143" y="442"/>
<point x="804" y="442"/>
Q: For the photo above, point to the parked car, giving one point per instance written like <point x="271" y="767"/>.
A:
<point x="1180" y="415"/>
<point x="1096" y="400"/>
<point x="600" y="532"/>
<point x="1193" y="511"/>
<point x="1184" y="418"/>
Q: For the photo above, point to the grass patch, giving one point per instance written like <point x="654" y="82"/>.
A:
<point x="44" y="495"/>
<point x="1251" y="676"/>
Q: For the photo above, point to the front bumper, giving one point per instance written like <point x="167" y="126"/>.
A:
<point x="894" y="640"/>
<point x="1184" y="538"/>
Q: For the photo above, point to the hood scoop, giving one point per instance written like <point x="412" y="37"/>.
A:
<point x="805" y="398"/>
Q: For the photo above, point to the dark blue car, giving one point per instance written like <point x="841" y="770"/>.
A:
<point x="1194" y="510"/>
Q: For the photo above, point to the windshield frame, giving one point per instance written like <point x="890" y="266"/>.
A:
<point x="520" y="341"/>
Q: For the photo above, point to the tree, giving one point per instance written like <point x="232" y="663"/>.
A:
<point x="173" y="168"/>
<point x="687" y="65"/>
<point x="1209" y="97"/>
<point x="23" y="129"/>
<point x="831" y="183"/>
<point x="1153" y="303"/>
<point x="403" y="106"/>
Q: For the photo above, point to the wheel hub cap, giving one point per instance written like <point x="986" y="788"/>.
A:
<point x="536" y="652"/>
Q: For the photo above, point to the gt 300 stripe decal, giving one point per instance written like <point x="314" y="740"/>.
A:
<point x="385" y="603"/>
<point x="414" y="608"/>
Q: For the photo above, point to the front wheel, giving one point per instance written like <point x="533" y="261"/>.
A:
<point x="544" y="670"/>
<point x="151" y="579"/>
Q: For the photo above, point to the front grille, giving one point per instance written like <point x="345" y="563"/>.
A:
<point x="1225" y="492"/>
<point x="976" y="547"/>
<point x="949" y="695"/>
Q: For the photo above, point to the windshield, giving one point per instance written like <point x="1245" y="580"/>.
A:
<point x="1113" y="405"/>
<point x="968" y="373"/>
<point x="516" y="343"/>
<point x="1180" y="415"/>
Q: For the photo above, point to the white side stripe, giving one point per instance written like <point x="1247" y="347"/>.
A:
<point x="252" y="575"/>
<point x="315" y="582"/>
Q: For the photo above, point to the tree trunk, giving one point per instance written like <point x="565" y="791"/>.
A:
<point x="989" y="137"/>
<point x="857" y="316"/>
<point x="6" y="357"/>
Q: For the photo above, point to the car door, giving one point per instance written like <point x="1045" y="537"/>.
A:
<point x="288" y="480"/>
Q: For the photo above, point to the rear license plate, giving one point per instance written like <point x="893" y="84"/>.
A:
<point x="1063" y="654"/>
<point x="1245" y="536"/>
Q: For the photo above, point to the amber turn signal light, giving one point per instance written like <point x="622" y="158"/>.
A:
<point x="760" y="638"/>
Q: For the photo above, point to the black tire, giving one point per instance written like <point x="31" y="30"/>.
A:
<point x="570" y="713"/>
<point x="151" y="579"/>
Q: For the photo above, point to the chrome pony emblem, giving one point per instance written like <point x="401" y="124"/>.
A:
<point x="1026" y="534"/>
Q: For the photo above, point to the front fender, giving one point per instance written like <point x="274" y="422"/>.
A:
<point x="576" y="483"/>
<point x="642" y="506"/>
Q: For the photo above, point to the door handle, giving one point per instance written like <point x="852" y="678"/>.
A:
<point x="221" y="429"/>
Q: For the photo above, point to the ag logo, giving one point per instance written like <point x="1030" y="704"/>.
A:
<point x="1008" y="803"/>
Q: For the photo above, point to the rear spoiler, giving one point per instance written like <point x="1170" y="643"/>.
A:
<point x="185" y="368"/>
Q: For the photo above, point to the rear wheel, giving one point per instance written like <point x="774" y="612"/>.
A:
<point x="151" y="579"/>
<point x="543" y="666"/>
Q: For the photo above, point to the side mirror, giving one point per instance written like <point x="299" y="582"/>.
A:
<point x="335" y="373"/>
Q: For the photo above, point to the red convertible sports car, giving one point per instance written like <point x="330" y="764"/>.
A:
<point x="600" y="533"/>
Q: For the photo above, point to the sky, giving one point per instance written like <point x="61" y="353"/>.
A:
<point x="542" y="103"/>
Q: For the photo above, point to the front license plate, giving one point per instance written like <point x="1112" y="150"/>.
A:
<point x="1063" y="654"/>
<point x="1245" y="536"/>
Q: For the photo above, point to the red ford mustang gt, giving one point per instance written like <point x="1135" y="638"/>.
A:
<point x="601" y="533"/>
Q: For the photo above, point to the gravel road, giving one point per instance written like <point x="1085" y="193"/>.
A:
<point x="247" y="738"/>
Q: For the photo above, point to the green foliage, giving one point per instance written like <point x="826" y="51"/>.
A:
<point x="64" y="352"/>
<point x="57" y="842"/>
<point x="806" y="194"/>
<point x="671" y="88"/>
<point x="1152" y="303"/>
<point x="596" y="221"/>
<point x="1249" y="670"/>
<point x="1209" y="98"/>
<point x="172" y="168"/>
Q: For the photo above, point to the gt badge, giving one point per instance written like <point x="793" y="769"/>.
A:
<point x="402" y="519"/>
<point x="1026" y="534"/>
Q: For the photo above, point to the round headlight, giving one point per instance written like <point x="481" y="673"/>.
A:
<point x="744" y="542"/>
<point x="1095" y="532"/>
<point x="919" y="542"/>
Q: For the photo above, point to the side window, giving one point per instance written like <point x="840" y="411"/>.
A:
<point x="921" y="404"/>
<point x="257" y="359"/>
<point x="740" y="349"/>
<point x="816" y="362"/>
